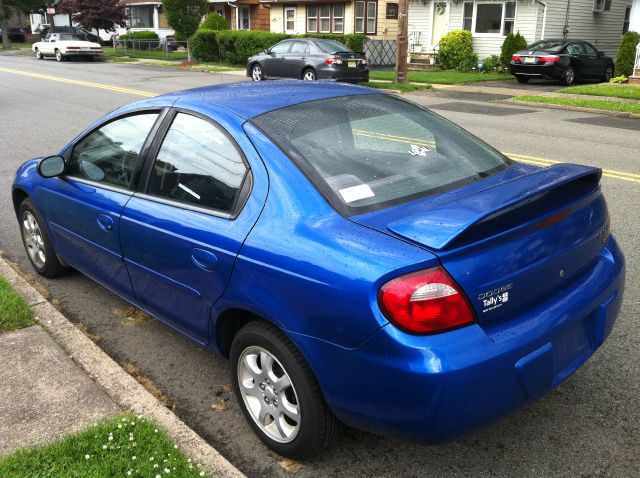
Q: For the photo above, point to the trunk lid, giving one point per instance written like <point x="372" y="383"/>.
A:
<point x="511" y="240"/>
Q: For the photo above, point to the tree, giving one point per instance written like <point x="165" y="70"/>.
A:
<point x="97" y="14"/>
<point x="6" y="7"/>
<point x="184" y="17"/>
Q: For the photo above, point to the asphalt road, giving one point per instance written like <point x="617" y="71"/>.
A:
<point x="589" y="426"/>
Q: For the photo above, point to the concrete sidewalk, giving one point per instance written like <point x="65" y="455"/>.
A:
<point x="55" y="380"/>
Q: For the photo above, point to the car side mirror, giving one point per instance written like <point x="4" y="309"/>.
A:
<point x="600" y="53"/>
<point x="51" y="166"/>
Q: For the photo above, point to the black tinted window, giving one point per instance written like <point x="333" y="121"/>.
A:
<point x="546" y="45"/>
<point x="111" y="153"/>
<point x="197" y="164"/>
<point x="366" y="152"/>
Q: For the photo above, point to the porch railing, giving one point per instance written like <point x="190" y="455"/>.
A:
<point x="636" y="63"/>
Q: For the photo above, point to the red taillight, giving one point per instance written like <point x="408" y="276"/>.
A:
<point x="331" y="60"/>
<point x="516" y="58"/>
<point x="73" y="48"/>
<point x="425" y="302"/>
<point x="551" y="58"/>
<point x="364" y="60"/>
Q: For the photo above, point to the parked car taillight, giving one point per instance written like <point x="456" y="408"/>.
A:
<point x="551" y="58"/>
<point x="331" y="60"/>
<point x="425" y="302"/>
<point x="516" y="58"/>
<point x="364" y="60"/>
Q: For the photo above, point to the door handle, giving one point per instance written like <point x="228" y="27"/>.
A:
<point x="105" y="222"/>
<point x="204" y="259"/>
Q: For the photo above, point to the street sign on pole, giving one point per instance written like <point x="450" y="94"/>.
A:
<point x="51" y="11"/>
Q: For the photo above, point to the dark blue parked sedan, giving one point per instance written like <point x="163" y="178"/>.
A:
<point x="357" y="259"/>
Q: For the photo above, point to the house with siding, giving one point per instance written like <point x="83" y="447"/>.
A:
<point x="378" y="19"/>
<point x="601" y="22"/>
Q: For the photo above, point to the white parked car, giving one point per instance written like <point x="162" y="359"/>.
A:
<point x="65" y="45"/>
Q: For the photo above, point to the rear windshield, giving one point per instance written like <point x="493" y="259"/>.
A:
<point x="368" y="152"/>
<point x="329" y="46"/>
<point x="546" y="45"/>
<point x="72" y="37"/>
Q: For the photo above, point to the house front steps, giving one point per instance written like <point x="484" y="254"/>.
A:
<point x="423" y="61"/>
<point x="635" y="78"/>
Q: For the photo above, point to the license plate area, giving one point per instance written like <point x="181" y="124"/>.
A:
<point x="352" y="64"/>
<point x="530" y="59"/>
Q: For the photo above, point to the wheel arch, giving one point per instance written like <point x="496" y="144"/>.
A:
<point x="18" y="195"/>
<point x="229" y="322"/>
<point x="307" y="68"/>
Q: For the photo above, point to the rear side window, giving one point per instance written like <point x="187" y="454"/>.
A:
<point x="367" y="152"/>
<point x="197" y="164"/>
<point x="111" y="153"/>
<point x="329" y="46"/>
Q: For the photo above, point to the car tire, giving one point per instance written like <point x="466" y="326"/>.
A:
<point x="522" y="79"/>
<point x="39" y="55"/>
<point x="607" y="75"/>
<point x="261" y="358"/>
<point x="59" y="56"/>
<point x="568" y="77"/>
<point x="309" y="75"/>
<point x="36" y="242"/>
<point x="257" y="74"/>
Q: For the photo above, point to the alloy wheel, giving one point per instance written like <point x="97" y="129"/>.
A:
<point x="268" y="394"/>
<point x="59" y="56"/>
<point x="33" y="239"/>
<point x="309" y="75"/>
<point x="569" y="76"/>
<point x="256" y="73"/>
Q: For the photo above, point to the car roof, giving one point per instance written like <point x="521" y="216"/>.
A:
<point x="250" y="99"/>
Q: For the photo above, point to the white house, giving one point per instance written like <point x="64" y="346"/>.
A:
<point x="601" y="22"/>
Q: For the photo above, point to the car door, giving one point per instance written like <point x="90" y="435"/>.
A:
<point x="595" y="61"/>
<point x="182" y="231"/>
<point x="274" y="62"/>
<point x="296" y="59"/>
<point x="579" y="59"/>
<point x="49" y="44"/>
<point x="83" y="207"/>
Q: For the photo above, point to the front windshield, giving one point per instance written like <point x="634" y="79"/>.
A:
<point x="72" y="37"/>
<point x="367" y="152"/>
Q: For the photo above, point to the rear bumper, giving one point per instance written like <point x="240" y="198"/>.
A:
<point x="554" y="70"/>
<point x="355" y="74"/>
<point x="437" y="388"/>
<point x="83" y="53"/>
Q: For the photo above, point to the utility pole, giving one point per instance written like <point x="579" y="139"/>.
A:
<point x="402" y="41"/>
<point x="51" y="7"/>
<point x="3" y="26"/>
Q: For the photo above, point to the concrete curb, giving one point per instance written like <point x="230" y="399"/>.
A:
<point x="622" y="114"/>
<point x="119" y="385"/>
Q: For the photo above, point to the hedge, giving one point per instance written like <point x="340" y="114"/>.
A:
<point x="144" y="35"/>
<point x="456" y="51"/>
<point x="236" y="46"/>
<point x="627" y="54"/>
<point x="214" y="21"/>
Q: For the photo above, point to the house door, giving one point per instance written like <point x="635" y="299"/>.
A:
<point x="440" y="23"/>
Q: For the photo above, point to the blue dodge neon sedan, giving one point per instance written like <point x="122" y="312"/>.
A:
<point x="358" y="259"/>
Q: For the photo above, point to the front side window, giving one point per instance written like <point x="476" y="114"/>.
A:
<point x="197" y="164"/>
<point x="281" y="48"/>
<point x="367" y="152"/>
<point x="111" y="154"/>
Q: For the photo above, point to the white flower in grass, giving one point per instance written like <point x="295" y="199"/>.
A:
<point x="155" y="430"/>
<point x="175" y="446"/>
<point x="158" y="476"/>
<point x="86" y="457"/>
<point x="167" y="470"/>
<point x="119" y="425"/>
<point x="129" y="472"/>
<point x="104" y="447"/>
<point x="202" y="473"/>
<point x="191" y="467"/>
<point x="155" y="465"/>
<point x="151" y="459"/>
<point x="130" y="438"/>
<point x="110" y="437"/>
<point x="134" y="457"/>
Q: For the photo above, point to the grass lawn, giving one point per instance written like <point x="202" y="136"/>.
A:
<point x="150" y="54"/>
<point x="623" y="106"/>
<point x="395" y="86"/>
<point x="14" y="311"/>
<point x="442" y="77"/>
<point x="125" y="446"/>
<point x="606" y="89"/>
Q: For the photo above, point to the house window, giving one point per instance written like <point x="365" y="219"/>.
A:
<point x="494" y="18"/>
<point x="365" y="17"/>
<point x="243" y="18"/>
<point x="141" y="16"/>
<point x="467" y="16"/>
<point x="392" y="11"/>
<point x="325" y="18"/>
<point x="627" y="17"/>
<point x="289" y="19"/>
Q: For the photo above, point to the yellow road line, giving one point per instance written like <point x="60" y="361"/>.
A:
<point x="101" y="86"/>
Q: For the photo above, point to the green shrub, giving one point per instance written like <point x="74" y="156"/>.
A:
<point x="492" y="63"/>
<point x="627" y="53"/>
<point x="214" y="21"/>
<point x="619" y="79"/>
<point x="144" y="35"/>
<point x="511" y="44"/>
<point x="236" y="46"/>
<point x="204" y="45"/>
<point x="456" y="51"/>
